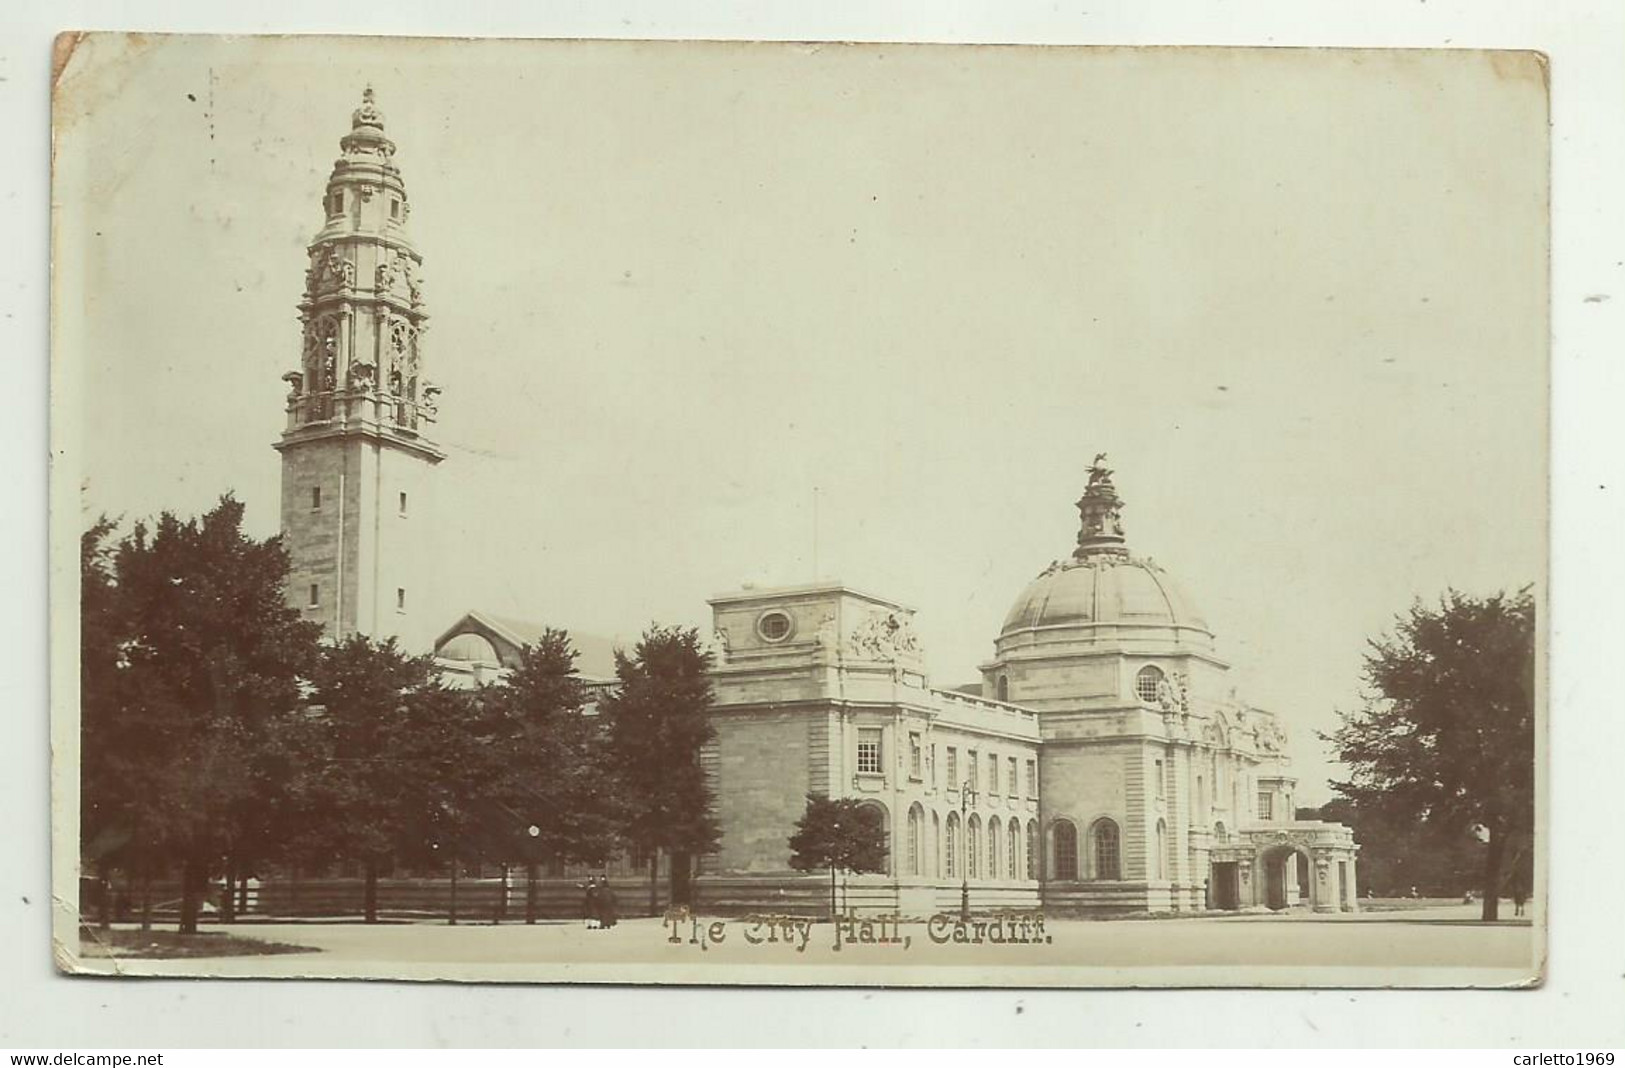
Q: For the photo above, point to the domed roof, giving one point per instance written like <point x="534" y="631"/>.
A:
<point x="1101" y="588"/>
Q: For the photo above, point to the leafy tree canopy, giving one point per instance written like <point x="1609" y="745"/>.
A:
<point x="1447" y="734"/>
<point x="842" y="834"/>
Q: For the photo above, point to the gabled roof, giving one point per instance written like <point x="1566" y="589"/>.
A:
<point x="595" y="657"/>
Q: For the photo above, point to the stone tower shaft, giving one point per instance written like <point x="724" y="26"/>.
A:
<point x="356" y="450"/>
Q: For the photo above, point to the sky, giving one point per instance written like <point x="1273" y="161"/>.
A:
<point x="686" y="298"/>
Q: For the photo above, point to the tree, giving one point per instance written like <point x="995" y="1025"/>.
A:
<point x="1447" y="734"/>
<point x="1398" y="852"/>
<point x="554" y="773"/>
<point x="840" y="834"/>
<point x="192" y="661"/>
<point x="109" y="786"/>
<point x="658" y="723"/>
<point x="376" y="778"/>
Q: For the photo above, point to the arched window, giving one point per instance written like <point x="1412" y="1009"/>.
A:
<point x="1162" y="850"/>
<point x="936" y="846"/>
<point x="1147" y="682"/>
<point x="1013" y="832"/>
<point x="876" y="811"/>
<point x="1107" y="847"/>
<point x="973" y="835"/>
<point x="1066" y="850"/>
<point x="995" y="847"/>
<point x="1033" y="852"/>
<point x="1220" y="833"/>
<point x="950" y="851"/>
<point x="914" y="821"/>
<point x="1004" y="687"/>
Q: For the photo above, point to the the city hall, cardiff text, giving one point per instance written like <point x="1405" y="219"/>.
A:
<point x="894" y="930"/>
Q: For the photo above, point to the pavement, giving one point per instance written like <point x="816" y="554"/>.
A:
<point x="1429" y="947"/>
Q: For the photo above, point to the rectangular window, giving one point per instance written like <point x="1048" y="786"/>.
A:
<point x="931" y="758"/>
<point x="1161" y="785"/>
<point x="335" y="203"/>
<point x="916" y="758"/>
<point x="315" y="498"/>
<point x="869" y="751"/>
<point x="394" y="208"/>
<point x="315" y="595"/>
<point x="972" y="770"/>
<point x="992" y="773"/>
<point x="400" y="599"/>
<point x="1266" y="807"/>
<point x="1011" y="785"/>
<point x="403" y="502"/>
<point x="953" y="768"/>
<point x="1032" y="778"/>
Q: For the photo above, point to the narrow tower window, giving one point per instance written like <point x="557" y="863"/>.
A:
<point x="315" y="595"/>
<point x="400" y="599"/>
<point x="403" y="502"/>
<point x="315" y="498"/>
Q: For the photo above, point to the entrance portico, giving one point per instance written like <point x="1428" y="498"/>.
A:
<point x="1282" y="865"/>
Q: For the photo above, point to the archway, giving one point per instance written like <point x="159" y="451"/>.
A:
<point x="1282" y="869"/>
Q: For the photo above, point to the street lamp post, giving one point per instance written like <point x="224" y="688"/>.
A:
<point x="967" y="799"/>
<point x="530" y="872"/>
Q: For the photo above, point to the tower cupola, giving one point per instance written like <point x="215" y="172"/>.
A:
<point x="357" y="453"/>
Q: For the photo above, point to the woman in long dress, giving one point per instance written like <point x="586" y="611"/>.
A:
<point x="607" y="912"/>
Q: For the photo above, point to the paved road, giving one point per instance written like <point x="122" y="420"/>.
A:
<point x="1429" y="947"/>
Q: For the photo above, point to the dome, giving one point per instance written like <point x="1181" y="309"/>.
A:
<point x="1103" y="591"/>
<point x="1102" y="595"/>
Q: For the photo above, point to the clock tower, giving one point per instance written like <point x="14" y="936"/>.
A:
<point x="358" y="455"/>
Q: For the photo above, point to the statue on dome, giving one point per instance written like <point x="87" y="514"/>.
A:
<point x="1099" y="473"/>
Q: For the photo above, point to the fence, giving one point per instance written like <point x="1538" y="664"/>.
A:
<point x="488" y="900"/>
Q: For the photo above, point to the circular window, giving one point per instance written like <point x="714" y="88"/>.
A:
<point x="774" y="626"/>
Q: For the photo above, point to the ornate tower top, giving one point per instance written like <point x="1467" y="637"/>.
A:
<point x="363" y="369"/>
<point x="1100" y="509"/>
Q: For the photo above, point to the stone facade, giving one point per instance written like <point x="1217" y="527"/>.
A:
<point x="1113" y="744"/>
<point x="822" y="690"/>
<point x="357" y="457"/>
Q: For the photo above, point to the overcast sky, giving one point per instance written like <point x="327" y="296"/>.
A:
<point x="1298" y="297"/>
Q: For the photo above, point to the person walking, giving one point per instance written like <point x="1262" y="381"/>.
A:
<point x="608" y="913"/>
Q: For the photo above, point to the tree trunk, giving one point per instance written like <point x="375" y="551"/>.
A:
<point x="832" y="904"/>
<point x="1492" y="874"/>
<point x="104" y="904"/>
<point x="451" y="919"/>
<point x="228" y="894"/>
<point x="654" y="882"/>
<point x="191" y="883"/>
<point x="369" y="900"/>
<point x="680" y="877"/>
<point x="146" y="896"/>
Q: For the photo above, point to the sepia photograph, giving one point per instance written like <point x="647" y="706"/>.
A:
<point x="766" y="513"/>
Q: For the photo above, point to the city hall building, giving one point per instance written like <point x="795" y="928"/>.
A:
<point x="1103" y="764"/>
